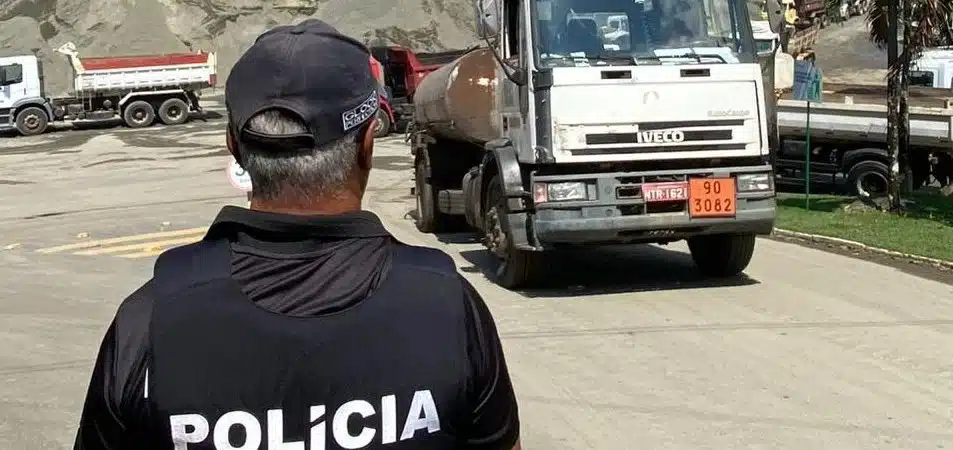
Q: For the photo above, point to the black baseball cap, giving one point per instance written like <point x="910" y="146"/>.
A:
<point x="309" y="70"/>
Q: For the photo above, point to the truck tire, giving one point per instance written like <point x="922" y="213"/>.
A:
<point x="174" y="111"/>
<point x="868" y="178"/>
<point x="139" y="114"/>
<point x="722" y="255"/>
<point x="429" y="219"/>
<point x="32" y="121"/>
<point x="515" y="268"/>
<point x="382" y="124"/>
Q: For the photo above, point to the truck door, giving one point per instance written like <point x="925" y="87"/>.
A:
<point x="12" y="77"/>
<point x="514" y="101"/>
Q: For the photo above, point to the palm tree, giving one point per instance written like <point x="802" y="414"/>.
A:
<point x="924" y="24"/>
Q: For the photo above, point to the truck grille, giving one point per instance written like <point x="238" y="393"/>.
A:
<point x="701" y="135"/>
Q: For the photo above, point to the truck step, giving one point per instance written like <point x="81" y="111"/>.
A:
<point x="451" y="201"/>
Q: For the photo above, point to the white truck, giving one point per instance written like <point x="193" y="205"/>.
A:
<point x="550" y="136"/>
<point x="849" y="134"/>
<point x="137" y="89"/>
<point x="934" y="68"/>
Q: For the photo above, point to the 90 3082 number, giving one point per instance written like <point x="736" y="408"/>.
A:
<point x="712" y="197"/>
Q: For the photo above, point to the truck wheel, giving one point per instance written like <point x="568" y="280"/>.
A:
<point x="516" y="268"/>
<point x="429" y="219"/>
<point x="139" y="114"/>
<point x="174" y="111"/>
<point x="722" y="255"/>
<point x="32" y="121"/>
<point x="868" y="179"/>
<point x="382" y="124"/>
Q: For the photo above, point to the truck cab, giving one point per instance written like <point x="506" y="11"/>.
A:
<point x="934" y="68"/>
<point x="21" y="83"/>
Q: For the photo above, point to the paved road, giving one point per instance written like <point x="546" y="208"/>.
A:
<point x="628" y="349"/>
<point x="846" y="55"/>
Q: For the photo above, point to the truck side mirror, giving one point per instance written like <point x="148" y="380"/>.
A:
<point x="775" y="10"/>
<point x="488" y="19"/>
<point x="3" y="76"/>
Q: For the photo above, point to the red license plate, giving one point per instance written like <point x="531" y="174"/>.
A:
<point x="665" y="192"/>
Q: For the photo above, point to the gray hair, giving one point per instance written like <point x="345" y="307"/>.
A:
<point x="302" y="175"/>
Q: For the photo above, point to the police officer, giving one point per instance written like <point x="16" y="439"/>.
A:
<point x="300" y="323"/>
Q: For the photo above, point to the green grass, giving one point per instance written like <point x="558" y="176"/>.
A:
<point x="925" y="229"/>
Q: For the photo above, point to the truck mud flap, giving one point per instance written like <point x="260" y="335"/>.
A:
<point x="517" y="222"/>
<point x="196" y="106"/>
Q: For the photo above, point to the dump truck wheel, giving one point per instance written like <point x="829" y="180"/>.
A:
<point x="174" y="111"/>
<point x="382" y="124"/>
<point x="722" y="255"/>
<point x="139" y="114"/>
<point x="868" y="179"/>
<point x="32" y="121"/>
<point x="516" y="268"/>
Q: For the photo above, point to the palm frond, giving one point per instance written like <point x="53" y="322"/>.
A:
<point x="924" y="24"/>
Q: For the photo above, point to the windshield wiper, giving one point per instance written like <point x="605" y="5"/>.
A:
<point x="610" y="58"/>
<point x="645" y="57"/>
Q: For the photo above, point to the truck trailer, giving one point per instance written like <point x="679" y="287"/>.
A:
<point x="137" y="89"/>
<point x="552" y="136"/>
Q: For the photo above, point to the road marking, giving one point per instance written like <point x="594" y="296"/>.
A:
<point x="135" y="246"/>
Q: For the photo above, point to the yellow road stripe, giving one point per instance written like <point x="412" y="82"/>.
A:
<point x="123" y="240"/>
<point x="152" y="252"/>
<point x="143" y="246"/>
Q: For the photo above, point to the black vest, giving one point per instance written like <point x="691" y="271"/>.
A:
<point x="391" y="372"/>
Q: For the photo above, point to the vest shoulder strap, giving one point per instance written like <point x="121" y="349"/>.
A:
<point x="181" y="267"/>
<point x="424" y="257"/>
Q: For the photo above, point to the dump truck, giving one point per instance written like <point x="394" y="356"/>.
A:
<point x="551" y="136"/>
<point x="137" y="89"/>
<point x="804" y="20"/>
<point x="384" y="121"/>
<point x="848" y="143"/>
<point x="403" y="69"/>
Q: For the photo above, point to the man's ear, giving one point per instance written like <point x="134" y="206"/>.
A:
<point x="366" y="151"/>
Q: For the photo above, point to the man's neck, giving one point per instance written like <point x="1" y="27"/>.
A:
<point x="315" y="207"/>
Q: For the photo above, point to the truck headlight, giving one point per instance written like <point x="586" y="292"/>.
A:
<point x="754" y="182"/>
<point x="560" y="192"/>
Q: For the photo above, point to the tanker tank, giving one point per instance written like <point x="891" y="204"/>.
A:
<point x="458" y="101"/>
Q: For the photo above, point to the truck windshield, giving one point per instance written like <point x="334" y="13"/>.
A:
<point x="625" y="32"/>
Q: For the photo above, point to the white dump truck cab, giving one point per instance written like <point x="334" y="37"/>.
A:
<point x="934" y="68"/>
<point x="21" y="85"/>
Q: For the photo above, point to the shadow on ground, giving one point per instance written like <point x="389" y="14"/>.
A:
<point x="602" y="270"/>
<point x="59" y="127"/>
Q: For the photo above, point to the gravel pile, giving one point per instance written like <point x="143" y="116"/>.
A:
<point x="130" y="27"/>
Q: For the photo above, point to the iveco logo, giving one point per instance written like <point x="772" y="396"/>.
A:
<point x="649" y="97"/>
<point x="660" y="136"/>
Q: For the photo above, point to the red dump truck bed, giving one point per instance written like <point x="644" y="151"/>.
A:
<point x="808" y="7"/>
<point x="131" y="62"/>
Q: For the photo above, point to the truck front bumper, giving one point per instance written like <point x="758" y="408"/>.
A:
<point x="609" y="219"/>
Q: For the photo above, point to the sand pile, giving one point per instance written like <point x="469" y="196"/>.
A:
<point x="124" y="27"/>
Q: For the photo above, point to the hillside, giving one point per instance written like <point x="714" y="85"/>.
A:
<point x="123" y="27"/>
<point x="119" y="27"/>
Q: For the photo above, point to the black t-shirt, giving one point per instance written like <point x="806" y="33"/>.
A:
<point x="297" y="266"/>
